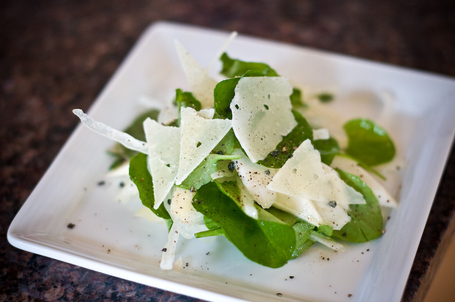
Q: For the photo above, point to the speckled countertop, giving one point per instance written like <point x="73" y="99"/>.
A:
<point x="58" y="55"/>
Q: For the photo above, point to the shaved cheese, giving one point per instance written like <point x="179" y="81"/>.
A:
<point x="300" y="207"/>
<point x="163" y="159"/>
<point x="322" y="133"/>
<point x="118" y="136"/>
<point x="206" y="113"/>
<point x="332" y="215"/>
<point x="346" y="164"/>
<point x="198" y="137"/>
<point x="305" y="176"/>
<point x="255" y="178"/>
<point x="201" y="84"/>
<point x="261" y="114"/>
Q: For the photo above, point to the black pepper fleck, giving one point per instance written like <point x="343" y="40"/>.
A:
<point x="275" y="153"/>
<point x="231" y="166"/>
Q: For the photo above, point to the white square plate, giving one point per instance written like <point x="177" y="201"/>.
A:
<point x="109" y="238"/>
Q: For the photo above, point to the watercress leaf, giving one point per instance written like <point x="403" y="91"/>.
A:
<point x="235" y="68"/>
<point x="296" y="98"/>
<point x="325" y="229"/>
<point x="210" y="224"/>
<point x="141" y="177"/>
<point x="285" y="149"/>
<point x="186" y="99"/>
<point x="210" y="233"/>
<point x="223" y="95"/>
<point x="303" y="231"/>
<point x="301" y="228"/>
<point x="136" y="130"/>
<point x="202" y="174"/>
<point x="286" y="217"/>
<point x="227" y="144"/>
<point x="325" y="97"/>
<point x="268" y="243"/>
<point x="366" y="219"/>
<point x="328" y="148"/>
<point x="368" y="142"/>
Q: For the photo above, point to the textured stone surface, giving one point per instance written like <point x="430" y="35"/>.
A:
<point x="58" y="55"/>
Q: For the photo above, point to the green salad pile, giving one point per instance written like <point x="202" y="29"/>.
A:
<point x="240" y="160"/>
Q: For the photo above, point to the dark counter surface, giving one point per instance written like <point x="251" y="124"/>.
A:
<point x="58" y="55"/>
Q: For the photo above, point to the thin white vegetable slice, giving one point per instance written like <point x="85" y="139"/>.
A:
<point x="163" y="159"/>
<point x="186" y="222"/>
<point x="198" y="137"/>
<point x="247" y="201"/>
<point x="118" y="136"/>
<point x="261" y="114"/>
<point x="327" y="241"/>
<point x="168" y="252"/>
<point x="255" y="178"/>
<point x="231" y="37"/>
<point x="346" y="164"/>
<point x="184" y="215"/>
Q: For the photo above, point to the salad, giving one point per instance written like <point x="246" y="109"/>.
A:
<point x="244" y="158"/>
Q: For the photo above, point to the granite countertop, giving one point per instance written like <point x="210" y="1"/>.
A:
<point x="58" y="55"/>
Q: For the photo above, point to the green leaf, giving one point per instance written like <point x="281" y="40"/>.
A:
<point x="296" y="98"/>
<point x="286" y="217"/>
<point x="285" y="149"/>
<point x="235" y="68"/>
<point x="223" y="95"/>
<point x="141" y="177"/>
<point x="325" y="229"/>
<point x="210" y="233"/>
<point x="135" y="129"/>
<point x="227" y="144"/>
<point x="301" y="228"/>
<point x="186" y="99"/>
<point x="202" y="174"/>
<point x="268" y="243"/>
<point x="325" y="97"/>
<point x="368" y="142"/>
<point x="366" y="219"/>
<point x="303" y="231"/>
<point x="328" y="148"/>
